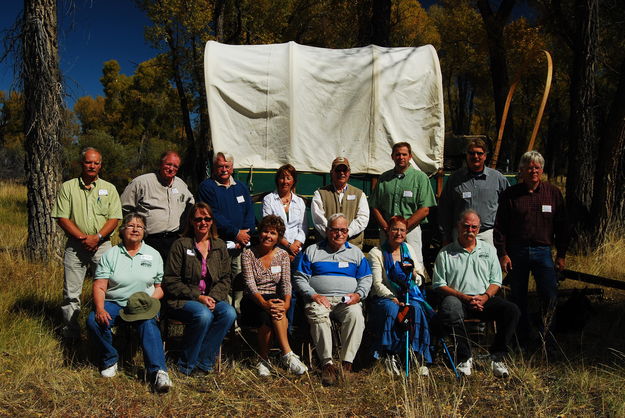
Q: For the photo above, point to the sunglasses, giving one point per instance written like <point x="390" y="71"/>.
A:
<point x="200" y="219"/>
<point x="478" y="153"/>
<point x="341" y="230"/>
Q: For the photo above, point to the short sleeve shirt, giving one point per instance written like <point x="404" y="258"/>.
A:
<point x="89" y="209"/>
<point x="402" y="196"/>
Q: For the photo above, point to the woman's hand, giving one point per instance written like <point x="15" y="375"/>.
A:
<point x="102" y="317"/>
<point x="208" y="301"/>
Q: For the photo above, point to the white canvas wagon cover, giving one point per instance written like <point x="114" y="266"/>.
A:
<point x="287" y="103"/>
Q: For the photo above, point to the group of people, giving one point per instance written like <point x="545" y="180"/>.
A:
<point x="199" y="259"/>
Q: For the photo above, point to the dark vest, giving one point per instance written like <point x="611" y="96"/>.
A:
<point x="348" y="206"/>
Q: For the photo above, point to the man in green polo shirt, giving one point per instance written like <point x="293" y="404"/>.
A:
<point x="88" y="210"/>
<point x="403" y="191"/>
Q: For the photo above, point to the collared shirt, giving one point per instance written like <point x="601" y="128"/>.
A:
<point x="275" y="279"/>
<point x="89" y="209"/>
<point x="466" y="190"/>
<point x="163" y="206"/>
<point x="321" y="271"/>
<point x="128" y="274"/>
<point x="468" y="272"/>
<point x="320" y="217"/>
<point x="535" y="218"/>
<point x="296" y="222"/>
<point x="403" y="196"/>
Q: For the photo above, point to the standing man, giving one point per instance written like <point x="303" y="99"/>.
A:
<point x="468" y="275"/>
<point x="340" y="197"/>
<point x="403" y="191"/>
<point x="233" y="211"/>
<point x="333" y="277"/>
<point x="530" y="220"/>
<point x="163" y="199"/>
<point x="88" y="210"/>
<point x="474" y="186"/>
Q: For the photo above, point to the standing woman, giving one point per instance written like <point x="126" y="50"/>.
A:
<point x="396" y="272"/>
<point x="197" y="284"/>
<point x="283" y="202"/>
<point x="267" y="274"/>
<point x="127" y="288"/>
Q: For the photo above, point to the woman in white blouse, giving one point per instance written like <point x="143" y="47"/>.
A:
<point x="283" y="202"/>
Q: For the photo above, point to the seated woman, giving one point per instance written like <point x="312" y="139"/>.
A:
<point x="127" y="288"/>
<point x="396" y="273"/>
<point x="197" y="284"/>
<point x="267" y="274"/>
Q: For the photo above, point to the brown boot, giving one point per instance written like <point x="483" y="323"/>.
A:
<point x="328" y="375"/>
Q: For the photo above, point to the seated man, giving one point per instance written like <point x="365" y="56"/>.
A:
<point x="333" y="277"/>
<point x="468" y="274"/>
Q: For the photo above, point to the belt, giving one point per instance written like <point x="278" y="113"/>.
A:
<point x="164" y="234"/>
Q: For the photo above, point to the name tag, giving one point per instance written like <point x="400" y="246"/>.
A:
<point x="190" y="252"/>
<point x="546" y="208"/>
<point x="146" y="257"/>
<point x="174" y="191"/>
<point x="407" y="193"/>
<point x="351" y="197"/>
<point x="276" y="269"/>
<point x="466" y="195"/>
<point x="343" y="264"/>
<point x="240" y="199"/>
<point x="103" y="192"/>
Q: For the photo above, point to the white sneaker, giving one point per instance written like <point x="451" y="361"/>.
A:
<point x="263" y="369"/>
<point x="162" y="383"/>
<point x="424" y="371"/>
<point x="465" y="367"/>
<point x="392" y="365"/>
<point x="109" y="371"/>
<point x="499" y="369"/>
<point x="294" y="364"/>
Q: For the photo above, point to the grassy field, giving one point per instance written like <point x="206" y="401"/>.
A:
<point x="40" y="377"/>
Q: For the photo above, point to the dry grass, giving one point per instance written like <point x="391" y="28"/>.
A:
<point x="39" y="377"/>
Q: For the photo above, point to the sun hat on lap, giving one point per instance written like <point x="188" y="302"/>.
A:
<point x="141" y="306"/>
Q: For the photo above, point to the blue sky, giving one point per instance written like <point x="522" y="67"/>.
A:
<point x="93" y="32"/>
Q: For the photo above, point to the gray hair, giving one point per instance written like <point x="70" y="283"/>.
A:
<point x="531" y="157"/>
<point x="224" y="155"/>
<point x="468" y="212"/>
<point x="129" y="217"/>
<point x="83" y="153"/>
<point x="334" y="217"/>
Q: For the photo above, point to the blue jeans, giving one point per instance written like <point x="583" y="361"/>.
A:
<point x="149" y="334"/>
<point x="537" y="260"/>
<point x="204" y="332"/>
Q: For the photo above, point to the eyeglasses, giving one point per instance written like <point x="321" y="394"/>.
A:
<point x="339" y="230"/>
<point x="137" y="227"/>
<point x="396" y="229"/>
<point x="341" y="169"/>
<point x="200" y="219"/>
<point x="172" y="165"/>
<point x="478" y="153"/>
<point x="471" y="227"/>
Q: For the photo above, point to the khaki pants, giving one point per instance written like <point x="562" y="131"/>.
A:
<point x="352" y="327"/>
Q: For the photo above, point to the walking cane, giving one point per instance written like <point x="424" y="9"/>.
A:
<point x="407" y="338"/>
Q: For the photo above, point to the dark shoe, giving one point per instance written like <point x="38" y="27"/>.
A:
<point x="346" y="370"/>
<point x="328" y="375"/>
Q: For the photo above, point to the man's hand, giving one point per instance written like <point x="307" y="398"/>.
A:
<point x="243" y="237"/>
<point x="478" y="301"/>
<point x="506" y="264"/>
<point x="321" y="300"/>
<point x="353" y="298"/>
<point x="91" y="242"/>
<point x="295" y="247"/>
<point x="560" y="263"/>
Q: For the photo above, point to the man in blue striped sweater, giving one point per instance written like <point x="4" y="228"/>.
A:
<point x="333" y="277"/>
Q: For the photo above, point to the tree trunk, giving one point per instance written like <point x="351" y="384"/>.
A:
<point x="583" y="133"/>
<point x="203" y="142"/>
<point x="42" y="123"/>
<point x="607" y="205"/>
<point x="381" y="22"/>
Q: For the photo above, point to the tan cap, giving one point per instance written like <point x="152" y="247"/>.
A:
<point x="340" y="161"/>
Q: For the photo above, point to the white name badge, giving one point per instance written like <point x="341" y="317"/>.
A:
<point x="343" y="264"/>
<point x="146" y="257"/>
<point x="190" y="252"/>
<point x="466" y="195"/>
<point x="240" y="199"/>
<point x="407" y="193"/>
<point x="351" y="197"/>
<point x="546" y="208"/>
<point x="103" y="192"/>
<point x="276" y="269"/>
<point x="174" y="190"/>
